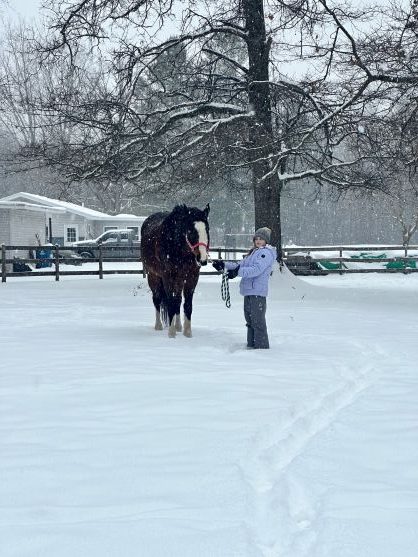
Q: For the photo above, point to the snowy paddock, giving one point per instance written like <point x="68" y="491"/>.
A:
<point x="116" y="441"/>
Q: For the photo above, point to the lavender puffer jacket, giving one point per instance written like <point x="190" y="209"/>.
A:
<point x="255" y="270"/>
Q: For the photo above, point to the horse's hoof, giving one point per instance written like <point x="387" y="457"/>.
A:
<point x="171" y="332"/>
<point x="158" y="327"/>
<point x="187" y="329"/>
<point x="178" y="324"/>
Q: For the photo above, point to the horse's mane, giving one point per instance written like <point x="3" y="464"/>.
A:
<point x="183" y="214"/>
<point x="192" y="213"/>
<point x="176" y="223"/>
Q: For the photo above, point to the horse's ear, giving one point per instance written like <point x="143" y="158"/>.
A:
<point x="206" y="210"/>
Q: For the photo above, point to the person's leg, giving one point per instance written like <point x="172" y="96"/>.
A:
<point x="258" y="321"/>
<point x="247" y="315"/>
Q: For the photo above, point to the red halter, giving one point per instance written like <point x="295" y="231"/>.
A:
<point x="193" y="246"/>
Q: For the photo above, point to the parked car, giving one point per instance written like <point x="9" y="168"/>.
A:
<point x="117" y="243"/>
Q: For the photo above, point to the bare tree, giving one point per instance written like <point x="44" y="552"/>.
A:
<point x="403" y="206"/>
<point x="35" y="135"/>
<point x="284" y="128"/>
<point x="19" y="88"/>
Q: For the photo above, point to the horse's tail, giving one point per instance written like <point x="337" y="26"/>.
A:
<point x="164" y="309"/>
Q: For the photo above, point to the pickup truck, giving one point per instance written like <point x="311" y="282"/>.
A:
<point x="117" y="243"/>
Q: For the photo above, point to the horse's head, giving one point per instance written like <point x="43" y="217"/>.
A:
<point x="196" y="230"/>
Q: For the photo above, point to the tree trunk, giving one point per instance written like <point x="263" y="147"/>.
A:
<point x="267" y="191"/>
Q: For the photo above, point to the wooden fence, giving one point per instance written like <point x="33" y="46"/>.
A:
<point x="406" y="263"/>
<point x="60" y="257"/>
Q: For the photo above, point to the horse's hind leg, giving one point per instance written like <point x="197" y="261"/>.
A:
<point x="156" y="285"/>
<point x="158" y="323"/>
<point x="188" y="291"/>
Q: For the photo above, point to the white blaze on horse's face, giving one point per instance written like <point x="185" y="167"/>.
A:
<point x="203" y="239"/>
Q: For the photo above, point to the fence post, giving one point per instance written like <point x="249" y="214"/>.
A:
<point x="341" y="263"/>
<point x="100" y="262"/>
<point x="3" y="263"/>
<point x="57" y="262"/>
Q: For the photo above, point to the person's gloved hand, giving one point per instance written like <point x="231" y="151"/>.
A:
<point x="218" y="265"/>
<point x="232" y="273"/>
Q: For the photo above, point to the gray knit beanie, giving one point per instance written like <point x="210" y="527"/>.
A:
<point x="263" y="233"/>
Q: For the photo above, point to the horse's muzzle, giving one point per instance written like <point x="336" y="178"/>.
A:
<point x="203" y="263"/>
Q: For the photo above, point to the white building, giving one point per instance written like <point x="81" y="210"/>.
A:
<point x="25" y="217"/>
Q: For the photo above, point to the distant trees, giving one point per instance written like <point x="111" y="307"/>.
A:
<point x="37" y="137"/>
<point x="20" y="88"/>
<point x="403" y="207"/>
<point x="390" y="144"/>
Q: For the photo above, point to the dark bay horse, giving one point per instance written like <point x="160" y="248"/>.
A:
<point x="173" y="247"/>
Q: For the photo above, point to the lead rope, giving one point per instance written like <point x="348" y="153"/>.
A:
<point x="225" y="289"/>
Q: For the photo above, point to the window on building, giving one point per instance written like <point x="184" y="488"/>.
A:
<point x="136" y="231"/>
<point x="71" y="234"/>
<point x="106" y="228"/>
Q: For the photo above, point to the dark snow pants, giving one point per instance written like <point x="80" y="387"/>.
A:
<point x="255" y="317"/>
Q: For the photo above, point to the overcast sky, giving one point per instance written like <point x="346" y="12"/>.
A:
<point x="20" y="8"/>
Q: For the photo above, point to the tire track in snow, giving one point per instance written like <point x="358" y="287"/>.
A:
<point x="283" y="514"/>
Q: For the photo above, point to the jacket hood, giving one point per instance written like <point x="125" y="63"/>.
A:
<point x="272" y="249"/>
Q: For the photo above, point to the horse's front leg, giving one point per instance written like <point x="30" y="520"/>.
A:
<point x="174" y="316"/>
<point x="173" y="292"/>
<point x="188" y="291"/>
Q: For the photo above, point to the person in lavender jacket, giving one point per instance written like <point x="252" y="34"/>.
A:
<point x="255" y="270"/>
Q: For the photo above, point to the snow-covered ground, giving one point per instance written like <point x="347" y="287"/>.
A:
<point x="116" y="441"/>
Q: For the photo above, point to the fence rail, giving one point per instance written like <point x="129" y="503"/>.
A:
<point x="407" y="263"/>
